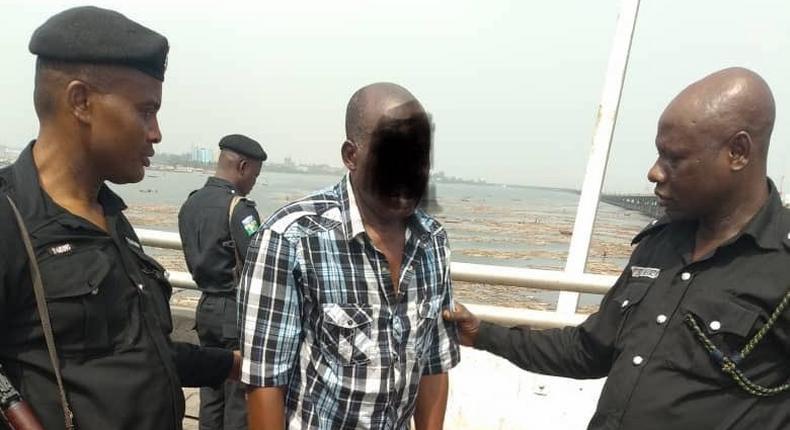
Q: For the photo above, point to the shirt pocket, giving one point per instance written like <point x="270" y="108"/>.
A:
<point x="347" y="335"/>
<point x="627" y="301"/>
<point x="427" y="314"/>
<point x="727" y="323"/>
<point x="77" y="311"/>
<point x="157" y="289"/>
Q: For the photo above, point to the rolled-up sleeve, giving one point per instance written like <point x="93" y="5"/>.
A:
<point x="269" y="310"/>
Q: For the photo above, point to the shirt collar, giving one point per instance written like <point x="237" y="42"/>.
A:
<point x="35" y="203"/>
<point x="352" y="219"/>
<point x="419" y="222"/>
<point x="768" y="227"/>
<point x="219" y="182"/>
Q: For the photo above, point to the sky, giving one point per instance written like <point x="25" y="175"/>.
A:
<point x="513" y="85"/>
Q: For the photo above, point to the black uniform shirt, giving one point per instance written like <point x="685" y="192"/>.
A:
<point x="108" y="302"/>
<point x="659" y="374"/>
<point x="209" y="242"/>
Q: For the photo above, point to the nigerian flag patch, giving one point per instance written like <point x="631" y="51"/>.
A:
<point x="250" y="225"/>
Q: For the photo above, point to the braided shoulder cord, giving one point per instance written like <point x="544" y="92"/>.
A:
<point x="729" y="364"/>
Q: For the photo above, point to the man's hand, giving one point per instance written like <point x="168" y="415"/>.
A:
<point x="468" y="324"/>
<point x="235" y="370"/>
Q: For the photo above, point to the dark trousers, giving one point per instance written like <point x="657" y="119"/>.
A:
<point x="223" y="407"/>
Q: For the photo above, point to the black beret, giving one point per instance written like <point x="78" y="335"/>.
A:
<point x="243" y="145"/>
<point x="90" y="34"/>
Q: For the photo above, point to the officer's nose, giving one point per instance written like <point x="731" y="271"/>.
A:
<point x="656" y="174"/>
<point x="154" y="132"/>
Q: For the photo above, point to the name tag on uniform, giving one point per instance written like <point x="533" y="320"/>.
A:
<point x="60" y="249"/>
<point x="644" y="272"/>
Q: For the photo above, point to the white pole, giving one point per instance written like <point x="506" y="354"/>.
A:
<point x="599" y="153"/>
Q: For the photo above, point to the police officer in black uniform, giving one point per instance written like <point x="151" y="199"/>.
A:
<point x="216" y="224"/>
<point x="695" y="334"/>
<point x="98" y="85"/>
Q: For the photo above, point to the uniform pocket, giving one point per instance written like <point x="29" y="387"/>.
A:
<point x="628" y="299"/>
<point x="727" y="323"/>
<point x="347" y="333"/>
<point x="77" y="313"/>
<point x="157" y="288"/>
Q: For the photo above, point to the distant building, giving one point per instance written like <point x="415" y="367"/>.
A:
<point x="202" y="155"/>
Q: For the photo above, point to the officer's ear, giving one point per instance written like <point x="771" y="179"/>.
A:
<point x="80" y="100"/>
<point x="242" y="167"/>
<point x="739" y="150"/>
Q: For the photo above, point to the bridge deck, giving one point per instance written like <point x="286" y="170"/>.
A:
<point x="643" y="203"/>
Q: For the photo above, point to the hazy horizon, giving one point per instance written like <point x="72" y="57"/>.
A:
<point x="513" y="86"/>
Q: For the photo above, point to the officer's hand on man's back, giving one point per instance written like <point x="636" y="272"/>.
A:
<point x="468" y="324"/>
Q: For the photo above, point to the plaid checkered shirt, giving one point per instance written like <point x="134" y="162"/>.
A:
<point x="319" y="315"/>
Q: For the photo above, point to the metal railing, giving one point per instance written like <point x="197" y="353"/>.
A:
<point x="572" y="280"/>
<point x="487" y="274"/>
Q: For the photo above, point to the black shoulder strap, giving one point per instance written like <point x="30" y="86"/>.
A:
<point x="239" y="264"/>
<point x="43" y="312"/>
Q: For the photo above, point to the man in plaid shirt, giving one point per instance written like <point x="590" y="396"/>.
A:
<point x="341" y="294"/>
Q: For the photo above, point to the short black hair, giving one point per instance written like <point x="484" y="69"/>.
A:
<point x="54" y="74"/>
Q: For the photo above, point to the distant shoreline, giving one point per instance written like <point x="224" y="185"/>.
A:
<point x="166" y="162"/>
<point x="322" y="169"/>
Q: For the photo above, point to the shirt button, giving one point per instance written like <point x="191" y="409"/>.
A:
<point x="685" y="276"/>
<point x="637" y="360"/>
<point x="140" y="286"/>
<point x="715" y="325"/>
<point x="625" y="304"/>
<point x="661" y="319"/>
<point x="94" y="292"/>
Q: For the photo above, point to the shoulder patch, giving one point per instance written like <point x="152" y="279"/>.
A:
<point x="250" y="225"/>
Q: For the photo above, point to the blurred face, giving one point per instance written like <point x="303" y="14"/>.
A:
<point x="393" y="165"/>
<point x="124" y="126"/>
<point x="690" y="172"/>
<point x="248" y="175"/>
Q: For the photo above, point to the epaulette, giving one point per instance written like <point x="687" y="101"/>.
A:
<point x="651" y="227"/>
<point x="248" y="202"/>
